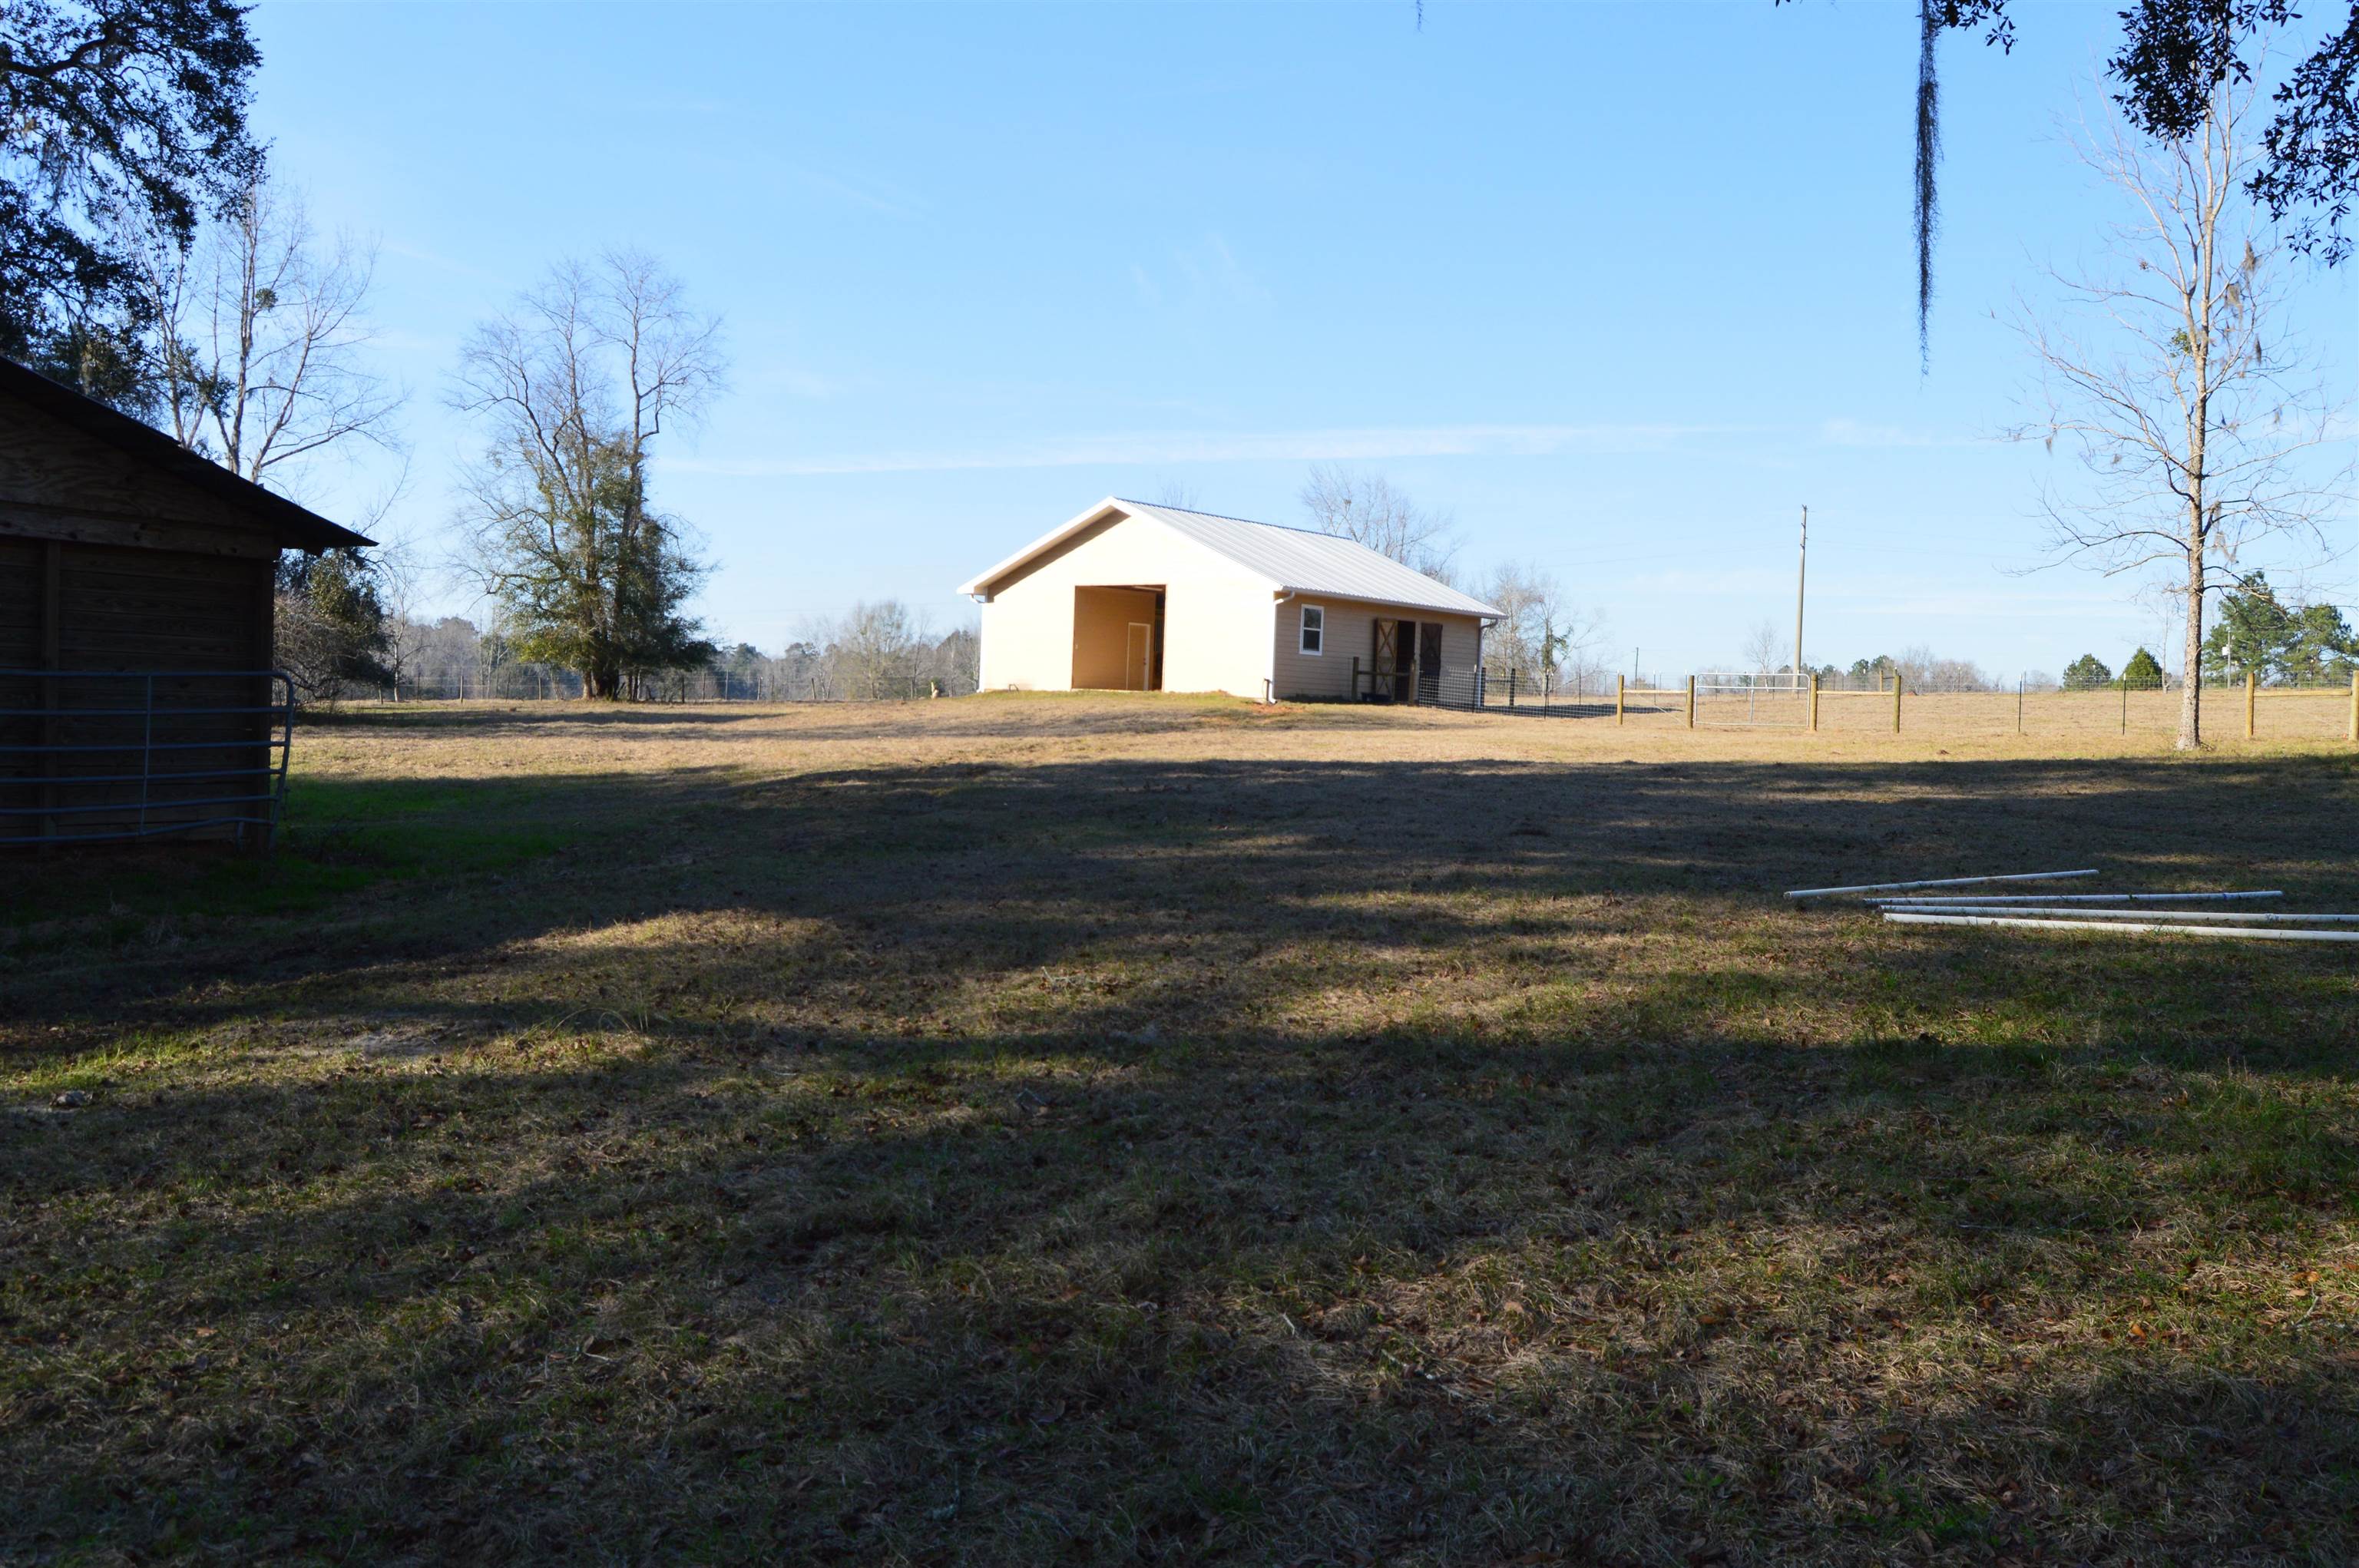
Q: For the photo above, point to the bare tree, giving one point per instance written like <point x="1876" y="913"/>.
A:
<point x="400" y="578"/>
<point x="577" y="383"/>
<point x="2193" y="411"/>
<point x="1176" y="494"/>
<point x="1762" y="646"/>
<point x="1367" y="508"/>
<point x="264" y="339"/>
<point x="1538" y="631"/>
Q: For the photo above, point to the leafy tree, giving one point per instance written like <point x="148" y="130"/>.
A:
<point x="114" y="115"/>
<point x="332" y="629"/>
<point x="1863" y="670"/>
<point x="2301" y="645"/>
<point x="578" y="383"/>
<point x="2322" y="651"/>
<point x="2087" y="673"/>
<point x="587" y="577"/>
<point x="2253" y="632"/>
<point x="2142" y="672"/>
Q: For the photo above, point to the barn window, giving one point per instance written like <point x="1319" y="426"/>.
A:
<point x="1314" y="628"/>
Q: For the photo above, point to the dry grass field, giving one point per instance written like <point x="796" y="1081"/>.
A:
<point x="1039" y="1129"/>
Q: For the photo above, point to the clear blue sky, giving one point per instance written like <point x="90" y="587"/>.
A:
<point x="1620" y="286"/>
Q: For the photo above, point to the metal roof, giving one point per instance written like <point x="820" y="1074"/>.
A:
<point x="1293" y="561"/>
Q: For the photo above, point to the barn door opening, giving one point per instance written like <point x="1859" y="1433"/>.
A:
<point x="1118" y="639"/>
<point x="1428" y="661"/>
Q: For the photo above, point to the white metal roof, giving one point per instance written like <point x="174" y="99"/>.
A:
<point x="1293" y="561"/>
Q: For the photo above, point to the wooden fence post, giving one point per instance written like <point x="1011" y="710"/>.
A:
<point x="1691" y="702"/>
<point x="1814" y="705"/>
<point x="1617" y="699"/>
<point x="2252" y="691"/>
<point x="1896" y="701"/>
<point x="2352" y="733"/>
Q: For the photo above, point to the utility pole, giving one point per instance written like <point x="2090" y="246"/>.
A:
<point x="1802" y="577"/>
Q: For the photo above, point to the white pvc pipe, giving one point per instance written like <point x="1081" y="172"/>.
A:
<point x="2109" y="914"/>
<point x="1938" y="882"/>
<point x="1931" y="900"/>
<point x="2252" y="932"/>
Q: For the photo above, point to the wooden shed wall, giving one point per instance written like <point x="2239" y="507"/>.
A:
<point x="108" y="566"/>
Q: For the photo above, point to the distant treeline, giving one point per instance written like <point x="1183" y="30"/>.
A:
<point x="872" y="652"/>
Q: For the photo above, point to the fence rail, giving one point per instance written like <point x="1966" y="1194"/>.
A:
<point x="108" y="756"/>
<point x="1718" y="700"/>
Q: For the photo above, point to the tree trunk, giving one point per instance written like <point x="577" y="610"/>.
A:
<point x="2191" y="685"/>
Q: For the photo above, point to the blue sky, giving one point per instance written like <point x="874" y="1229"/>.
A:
<point x="1619" y="285"/>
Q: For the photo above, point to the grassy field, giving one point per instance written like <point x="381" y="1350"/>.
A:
<point x="1095" y="1130"/>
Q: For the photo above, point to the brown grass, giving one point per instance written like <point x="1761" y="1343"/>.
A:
<point x="1029" y="1130"/>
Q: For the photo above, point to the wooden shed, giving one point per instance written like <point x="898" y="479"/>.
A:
<point x="136" y="589"/>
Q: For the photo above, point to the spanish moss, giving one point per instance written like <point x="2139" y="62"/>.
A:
<point x="1928" y="154"/>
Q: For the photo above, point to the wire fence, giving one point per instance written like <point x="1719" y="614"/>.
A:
<point x="1854" y="703"/>
<point x="533" y="683"/>
<point x="1851" y="701"/>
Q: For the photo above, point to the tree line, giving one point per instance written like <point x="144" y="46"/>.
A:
<point x="873" y="652"/>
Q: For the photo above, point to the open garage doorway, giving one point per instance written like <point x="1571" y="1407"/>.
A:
<point x="1118" y="639"/>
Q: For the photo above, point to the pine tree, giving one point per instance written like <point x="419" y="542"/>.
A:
<point x="2087" y="673"/>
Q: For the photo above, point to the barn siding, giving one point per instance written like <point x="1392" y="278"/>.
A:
<point x="20" y="604"/>
<point x="155" y="609"/>
<point x="1215" y="615"/>
<point x="1350" y="633"/>
<point x="111" y="562"/>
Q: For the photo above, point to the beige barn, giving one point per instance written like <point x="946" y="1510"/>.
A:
<point x="1133" y="597"/>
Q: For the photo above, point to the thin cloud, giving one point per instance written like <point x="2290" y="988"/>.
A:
<point x="1294" y="446"/>
<point x="894" y="204"/>
<point x="1857" y="433"/>
<point x="1207" y="273"/>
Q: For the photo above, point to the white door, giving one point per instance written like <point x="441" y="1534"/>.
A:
<point x="1134" y="672"/>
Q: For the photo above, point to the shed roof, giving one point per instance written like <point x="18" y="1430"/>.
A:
<point x="1293" y="561"/>
<point x="296" y="527"/>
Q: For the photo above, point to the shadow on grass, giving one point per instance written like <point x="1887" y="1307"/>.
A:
<point x="1265" y="1297"/>
<point x="1222" y="1162"/>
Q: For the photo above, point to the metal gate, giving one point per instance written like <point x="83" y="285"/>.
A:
<point x="100" y="757"/>
<point x="1779" y="698"/>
